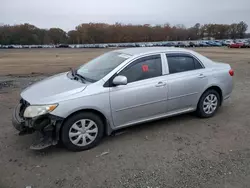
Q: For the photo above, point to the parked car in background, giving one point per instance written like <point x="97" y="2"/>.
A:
<point x="180" y="44"/>
<point x="246" y="45"/>
<point x="149" y="44"/>
<point x="204" y="44"/>
<point x="219" y="41"/>
<point x="213" y="43"/>
<point x="62" y="46"/>
<point x="240" y="41"/>
<point x="198" y="43"/>
<point x="187" y="44"/>
<point x="236" y="45"/>
<point x="227" y="42"/>
<point x="194" y="44"/>
<point x="169" y="44"/>
<point x="210" y="43"/>
<point x="119" y="89"/>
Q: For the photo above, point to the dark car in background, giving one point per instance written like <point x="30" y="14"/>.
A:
<point x="194" y="44"/>
<point x="62" y="46"/>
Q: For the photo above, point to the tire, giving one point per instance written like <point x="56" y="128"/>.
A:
<point x="74" y="126"/>
<point x="17" y="122"/>
<point x="209" y="112"/>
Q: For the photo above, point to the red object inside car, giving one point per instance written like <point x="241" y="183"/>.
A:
<point x="231" y="72"/>
<point x="145" y="68"/>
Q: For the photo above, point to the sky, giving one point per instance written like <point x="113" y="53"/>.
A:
<point x="67" y="14"/>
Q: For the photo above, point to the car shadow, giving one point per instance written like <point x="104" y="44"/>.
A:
<point x="120" y="134"/>
<point x="153" y="125"/>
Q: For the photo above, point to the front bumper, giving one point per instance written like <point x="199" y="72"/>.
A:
<point x="47" y="125"/>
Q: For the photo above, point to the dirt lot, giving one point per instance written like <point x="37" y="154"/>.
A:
<point x="178" y="152"/>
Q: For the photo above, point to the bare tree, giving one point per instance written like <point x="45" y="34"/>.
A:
<point x="115" y="33"/>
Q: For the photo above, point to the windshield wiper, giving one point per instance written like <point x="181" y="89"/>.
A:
<point x="81" y="77"/>
<point x="76" y="75"/>
<point x="73" y="72"/>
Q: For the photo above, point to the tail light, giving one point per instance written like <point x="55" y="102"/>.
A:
<point x="231" y="72"/>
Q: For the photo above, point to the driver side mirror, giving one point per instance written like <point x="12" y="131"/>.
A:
<point x="120" y="80"/>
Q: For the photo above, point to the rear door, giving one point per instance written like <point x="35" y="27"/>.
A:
<point x="186" y="80"/>
<point x="144" y="96"/>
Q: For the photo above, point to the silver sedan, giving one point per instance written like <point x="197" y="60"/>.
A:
<point x="119" y="89"/>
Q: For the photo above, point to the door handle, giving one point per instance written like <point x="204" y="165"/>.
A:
<point x="201" y="76"/>
<point x="160" y="84"/>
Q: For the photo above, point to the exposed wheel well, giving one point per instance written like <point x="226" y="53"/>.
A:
<point x="103" y="118"/>
<point x="218" y="89"/>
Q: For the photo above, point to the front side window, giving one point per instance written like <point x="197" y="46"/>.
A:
<point x="143" y="68"/>
<point x="182" y="63"/>
<point x="99" y="67"/>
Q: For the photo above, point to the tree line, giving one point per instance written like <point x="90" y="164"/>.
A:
<point x="91" y="33"/>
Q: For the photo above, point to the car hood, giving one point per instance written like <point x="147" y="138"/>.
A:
<point x="52" y="89"/>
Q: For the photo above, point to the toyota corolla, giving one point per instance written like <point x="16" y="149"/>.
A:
<point x="119" y="89"/>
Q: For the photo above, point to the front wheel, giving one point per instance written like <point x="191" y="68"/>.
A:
<point x="17" y="121"/>
<point x="82" y="131"/>
<point x="208" y="104"/>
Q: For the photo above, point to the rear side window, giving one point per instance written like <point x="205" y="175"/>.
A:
<point x="182" y="63"/>
<point x="197" y="64"/>
<point x="143" y="68"/>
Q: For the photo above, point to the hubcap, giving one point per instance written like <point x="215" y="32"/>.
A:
<point x="83" y="132"/>
<point x="210" y="104"/>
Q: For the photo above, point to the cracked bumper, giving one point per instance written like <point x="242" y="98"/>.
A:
<point x="48" y="125"/>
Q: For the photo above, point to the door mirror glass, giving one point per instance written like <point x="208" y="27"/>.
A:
<point x="120" y="80"/>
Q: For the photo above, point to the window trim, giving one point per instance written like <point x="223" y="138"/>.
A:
<point x="108" y="83"/>
<point x="178" y="54"/>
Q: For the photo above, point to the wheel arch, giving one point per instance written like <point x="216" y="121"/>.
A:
<point x="216" y="88"/>
<point x="105" y="120"/>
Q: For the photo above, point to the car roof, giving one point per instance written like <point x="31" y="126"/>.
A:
<point x="146" y="50"/>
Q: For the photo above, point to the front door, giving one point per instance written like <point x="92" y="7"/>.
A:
<point x="144" y="96"/>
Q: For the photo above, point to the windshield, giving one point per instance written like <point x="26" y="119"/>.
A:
<point x="99" y="67"/>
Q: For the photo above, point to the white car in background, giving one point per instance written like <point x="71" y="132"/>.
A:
<point x="228" y="42"/>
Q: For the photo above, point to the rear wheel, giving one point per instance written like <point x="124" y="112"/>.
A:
<point x="82" y="131"/>
<point x="208" y="104"/>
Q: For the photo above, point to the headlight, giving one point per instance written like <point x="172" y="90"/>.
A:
<point x="37" y="110"/>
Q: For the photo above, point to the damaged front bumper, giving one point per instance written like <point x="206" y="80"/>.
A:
<point x="47" y="126"/>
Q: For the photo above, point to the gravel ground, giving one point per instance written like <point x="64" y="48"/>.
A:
<point x="182" y="151"/>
